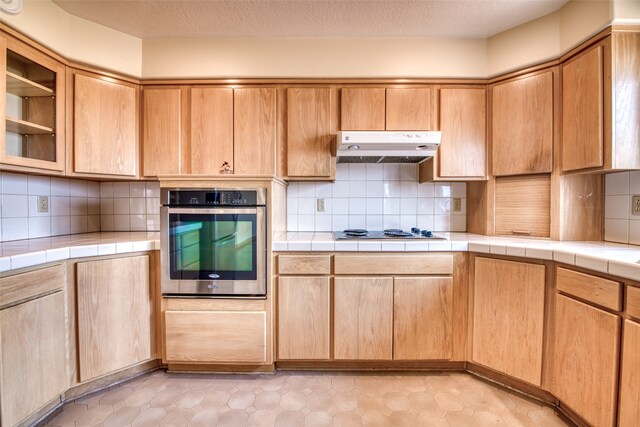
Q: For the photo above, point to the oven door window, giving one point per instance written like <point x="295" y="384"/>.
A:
<point x="212" y="246"/>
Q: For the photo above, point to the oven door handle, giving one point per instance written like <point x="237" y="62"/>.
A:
<point x="213" y="211"/>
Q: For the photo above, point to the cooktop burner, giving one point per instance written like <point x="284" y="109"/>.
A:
<point x="391" y="233"/>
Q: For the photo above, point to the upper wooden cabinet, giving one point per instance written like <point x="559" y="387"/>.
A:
<point x="362" y="109"/>
<point x="508" y="317"/>
<point x="236" y="127"/>
<point x="585" y="362"/>
<point x="211" y="144"/>
<point x="522" y="125"/>
<point x="408" y="109"/>
<point x="32" y="109"/>
<point x="462" y="154"/>
<point x="310" y="132"/>
<point x="600" y="104"/>
<point x="254" y="131"/>
<point x="105" y="125"/>
<point x="163" y="130"/>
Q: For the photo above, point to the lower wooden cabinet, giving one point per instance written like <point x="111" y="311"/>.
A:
<point x="304" y="318"/>
<point x="508" y="317"/>
<point x="363" y="318"/>
<point x="630" y="376"/>
<point x="215" y="336"/>
<point x="32" y="356"/>
<point x="115" y="321"/>
<point x="422" y="318"/>
<point x="585" y="372"/>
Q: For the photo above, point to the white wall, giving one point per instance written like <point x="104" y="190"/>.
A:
<point x="314" y="57"/>
<point x="77" y="39"/>
<point x="619" y="224"/>
<point x="532" y="42"/>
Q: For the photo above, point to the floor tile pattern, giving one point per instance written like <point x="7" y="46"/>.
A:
<point x="306" y="399"/>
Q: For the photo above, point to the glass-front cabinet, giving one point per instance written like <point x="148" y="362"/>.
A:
<point x="33" y="107"/>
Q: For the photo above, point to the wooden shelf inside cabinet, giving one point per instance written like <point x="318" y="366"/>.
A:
<point x="26" y="128"/>
<point x="20" y="86"/>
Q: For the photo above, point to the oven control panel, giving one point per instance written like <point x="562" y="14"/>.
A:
<point x="206" y="198"/>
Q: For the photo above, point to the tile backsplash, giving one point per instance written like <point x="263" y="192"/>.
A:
<point x="375" y="196"/>
<point x="74" y="206"/>
<point x="130" y="206"/>
<point x="620" y="225"/>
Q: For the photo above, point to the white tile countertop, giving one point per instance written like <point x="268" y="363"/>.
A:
<point x="604" y="257"/>
<point x="27" y="253"/>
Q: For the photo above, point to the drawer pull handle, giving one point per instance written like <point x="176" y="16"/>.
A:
<point x="521" y="232"/>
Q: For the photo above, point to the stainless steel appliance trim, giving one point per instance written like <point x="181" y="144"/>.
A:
<point x="216" y="288"/>
<point x="261" y="193"/>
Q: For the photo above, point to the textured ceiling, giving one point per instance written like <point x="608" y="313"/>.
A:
<point x="310" y="18"/>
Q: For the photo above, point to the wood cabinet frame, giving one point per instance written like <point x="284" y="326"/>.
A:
<point x="70" y="124"/>
<point x="21" y="164"/>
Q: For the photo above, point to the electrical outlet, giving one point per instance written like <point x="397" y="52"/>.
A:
<point x="43" y="204"/>
<point x="457" y="204"/>
<point x="319" y="205"/>
<point x="635" y="205"/>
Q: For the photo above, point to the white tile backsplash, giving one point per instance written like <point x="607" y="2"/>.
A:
<point x="620" y="225"/>
<point x="75" y="206"/>
<point x="130" y="206"/>
<point x="375" y="196"/>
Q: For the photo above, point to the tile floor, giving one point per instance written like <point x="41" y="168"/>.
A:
<point x="306" y="399"/>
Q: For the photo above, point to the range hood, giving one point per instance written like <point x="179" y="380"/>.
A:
<point x="386" y="146"/>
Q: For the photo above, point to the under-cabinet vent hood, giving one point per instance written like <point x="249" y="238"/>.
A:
<point x="386" y="146"/>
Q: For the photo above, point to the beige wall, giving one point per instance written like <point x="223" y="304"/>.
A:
<point x="532" y="42"/>
<point x="76" y="38"/>
<point x="314" y="57"/>
<point x="547" y="37"/>
<point x="626" y="11"/>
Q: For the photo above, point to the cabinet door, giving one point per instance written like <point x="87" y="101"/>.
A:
<point x="303" y="318"/>
<point x="422" y="318"/>
<point x="211" y="130"/>
<point x="363" y="318"/>
<point x="114" y="315"/>
<point x="630" y="376"/>
<point x="363" y="109"/>
<point x="105" y="137"/>
<point x="409" y="109"/>
<point x="508" y="317"/>
<point x="216" y="336"/>
<point x="586" y="360"/>
<point x="463" y="123"/>
<point x="254" y="130"/>
<point x="34" y="361"/>
<point x="522" y="125"/>
<point x="32" y="108"/>
<point x="162" y="115"/>
<point x="309" y="132"/>
<point x="582" y="117"/>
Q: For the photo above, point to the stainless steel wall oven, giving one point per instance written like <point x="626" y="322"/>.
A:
<point x="213" y="242"/>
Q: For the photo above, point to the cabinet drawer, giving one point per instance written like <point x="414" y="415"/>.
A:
<point x="25" y="286"/>
<point x="633" y="302"/>
<point x="304" y="264"/>
<point x="216" y="336"/>
<point x="597" y="290"/>
<point x="393" y="264"/>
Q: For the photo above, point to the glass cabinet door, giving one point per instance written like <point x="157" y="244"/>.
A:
<point x="33" y="108"/>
